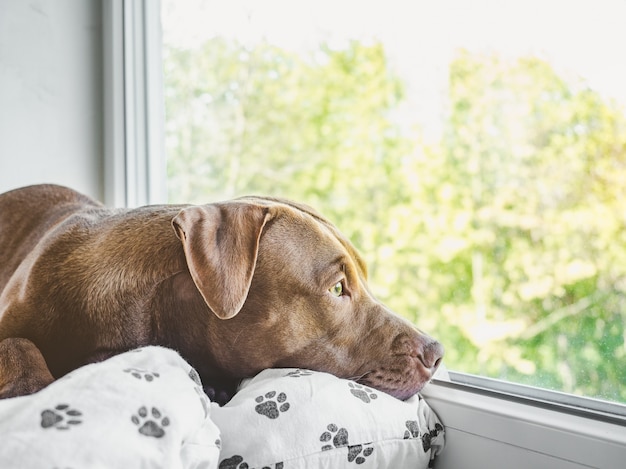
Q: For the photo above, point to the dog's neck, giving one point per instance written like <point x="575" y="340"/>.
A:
<point x="177" y="299"/>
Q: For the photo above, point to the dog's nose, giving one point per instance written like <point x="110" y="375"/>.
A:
<point x="421" y="347"/>
<point x="431" y="355"/>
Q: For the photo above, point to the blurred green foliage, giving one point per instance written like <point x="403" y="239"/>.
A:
<point x="505" y="239"/>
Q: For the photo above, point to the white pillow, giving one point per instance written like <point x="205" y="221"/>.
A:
<point x="293" y="418"/>
<point x="143" y="408"/>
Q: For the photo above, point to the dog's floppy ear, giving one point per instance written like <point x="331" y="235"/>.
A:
<point x="221" y="243"/>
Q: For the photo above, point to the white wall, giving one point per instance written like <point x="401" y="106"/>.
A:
<point x="51" y="94"/>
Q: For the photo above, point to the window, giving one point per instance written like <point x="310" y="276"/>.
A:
<point x="474" y="152"/>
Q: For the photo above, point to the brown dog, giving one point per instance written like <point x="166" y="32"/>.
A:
<point x="235" y="287"/>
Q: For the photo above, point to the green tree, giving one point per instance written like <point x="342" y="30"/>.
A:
<point x="264" y="120"/>
<point x="535" y="224"/>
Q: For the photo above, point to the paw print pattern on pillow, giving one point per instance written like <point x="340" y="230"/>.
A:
<point x="237" y="462"/>
<point x="428" y="436"/>
<point x="62" y="417"/>
<point x="299" y="373"/>
<point x="272" y="405"/>
<point x="367" y="395"/>
<point x="234" y="462"/>
<point x="150" y="424"/>
<point x="330" y="422"/>
<point x="339" y="438"/>
<point x="142" y="374"/>
<point x="413" y="429"/>
<point x="204" y="400"/>
<point x="338" y="435"/>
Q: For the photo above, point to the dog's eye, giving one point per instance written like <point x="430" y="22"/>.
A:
<point x="336" y="289"/>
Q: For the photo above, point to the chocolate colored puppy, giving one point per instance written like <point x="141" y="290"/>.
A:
<point x="235" y="287"/>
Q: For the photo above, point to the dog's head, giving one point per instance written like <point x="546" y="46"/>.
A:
<point x="291" y="292"/>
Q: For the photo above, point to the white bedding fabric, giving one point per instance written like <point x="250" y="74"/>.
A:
<point x="146" y="409"/>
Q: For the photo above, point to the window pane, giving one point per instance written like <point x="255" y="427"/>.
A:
<point x="474" y="152"/>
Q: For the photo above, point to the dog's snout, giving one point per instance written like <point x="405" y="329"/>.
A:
<point x="431" y="355"/>
<point x="415" y="357"/>
<point x="427" y="350"/>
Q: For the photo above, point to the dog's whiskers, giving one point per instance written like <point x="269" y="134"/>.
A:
<point x="358" y="377"/>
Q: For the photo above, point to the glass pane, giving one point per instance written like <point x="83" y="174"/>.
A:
<point x="474" y="152"/>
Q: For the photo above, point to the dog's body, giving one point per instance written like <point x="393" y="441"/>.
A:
<point x="235" y="287"/>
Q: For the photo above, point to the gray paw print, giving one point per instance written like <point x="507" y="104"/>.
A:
<point x="195" y="377"/>
<point x="299" y="373"/>
<point x="358" y="453"/>
<point x="339" y="438"/>
<point x="139" y="374"/>
<point x="62" y="417"/>
<point x="270" y="407"/>
<point x="363" y="393"/>
<point x="234" y="462"/>
<point x="428" y="436"/>
<point x="151" y="424"/>
<point x="413" y="429"/>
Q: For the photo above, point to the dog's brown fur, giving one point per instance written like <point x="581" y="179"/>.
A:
<point x="235" y="287"/>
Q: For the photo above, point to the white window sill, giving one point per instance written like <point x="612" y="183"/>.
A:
<point x="491" y="429"/>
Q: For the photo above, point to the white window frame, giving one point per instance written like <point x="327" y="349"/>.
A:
<point x="489" y="423"/>
<point x="134" y="150"/>
<point x="489" y="428"/>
